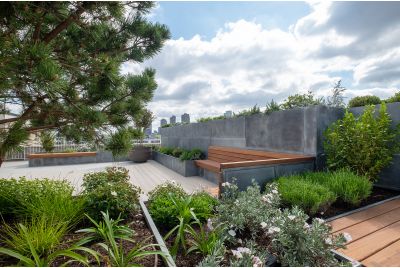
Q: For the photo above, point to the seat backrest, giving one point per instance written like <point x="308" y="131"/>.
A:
<point x="229" y="154"/>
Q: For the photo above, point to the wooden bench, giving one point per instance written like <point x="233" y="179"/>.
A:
<point x="56" y="155"/>
<point x="220" y="158"/>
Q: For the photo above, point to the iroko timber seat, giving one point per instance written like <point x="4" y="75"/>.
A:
<point x="220" y="158"/>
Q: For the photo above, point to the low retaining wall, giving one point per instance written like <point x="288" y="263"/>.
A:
<point x="58" y="159"/>
<point x="186" y="168"/>
<point x="261" y="174"/>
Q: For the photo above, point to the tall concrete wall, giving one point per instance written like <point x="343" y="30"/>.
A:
<point x="291" y="131"/>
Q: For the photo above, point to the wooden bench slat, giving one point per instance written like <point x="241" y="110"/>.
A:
<point x="54" y="155"/>
<point x="254" y="152"/>
<point x="238" y="155"/>
<point x="209" y="165"/>
<point x="226" y="157"/>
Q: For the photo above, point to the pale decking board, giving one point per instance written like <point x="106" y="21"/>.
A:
<point x="388" y="256"/>
<point x="357" y="217"/>
<point x="372" y="225"/>
<point x="375" y="234"/>
<point x="372" y="243"/>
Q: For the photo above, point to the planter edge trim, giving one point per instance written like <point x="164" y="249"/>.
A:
<point x="167" y="258"/>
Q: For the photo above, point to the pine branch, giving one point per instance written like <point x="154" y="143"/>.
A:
<point x="63" y="25"/>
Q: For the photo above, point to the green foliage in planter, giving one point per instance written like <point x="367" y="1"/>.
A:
<point x="164" y="211"/>
<point x="194" y="154"/>
<point x="347" y="186"/>
<point x="177" y="152"/>
<point x="211" y="118"/>
<point x="364" y="144"/>
<point x="120" y="142"/>
<point x="364" y="101"/>
<point x="182" y="154"/>
<point x="40" y="197"/>
<point x="110" y="191"/>
<point x="245" y="210"/>
<point x="252" y="111"/>
<point x="47" y="141"/>
<point x="161" y="206"/>
<point x="394" y="98"/>
<point x="113" y="237"/>
<point x="284" y="233"/>
<point x="44" y="234"/>
<point x="166" y="150"/>
<point x="301" y="100"/>
<point x="311" y="197"/>
<point x="36" y="244"/>
<point x="272" y="106"/>
<point x="297" y="243"/>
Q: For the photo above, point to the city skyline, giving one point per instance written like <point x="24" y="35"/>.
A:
<point x="210" y="66"/>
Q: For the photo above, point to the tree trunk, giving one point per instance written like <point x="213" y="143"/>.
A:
<point x="1" y="160"/>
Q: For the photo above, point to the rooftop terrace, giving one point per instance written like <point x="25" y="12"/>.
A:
<point x="146" y="175"/>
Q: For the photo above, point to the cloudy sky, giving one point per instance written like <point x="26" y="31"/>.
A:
<point x="233" y="55"/>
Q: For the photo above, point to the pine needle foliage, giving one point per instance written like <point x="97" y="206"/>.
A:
<point x="61" y="62"/>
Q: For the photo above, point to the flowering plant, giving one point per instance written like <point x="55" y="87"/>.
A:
<point x="250" y="207"/>
<point x="110" y="191"/>
<point x="298" y="243"/>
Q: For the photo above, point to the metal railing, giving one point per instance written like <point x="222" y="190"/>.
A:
<point x="27" y="150"/>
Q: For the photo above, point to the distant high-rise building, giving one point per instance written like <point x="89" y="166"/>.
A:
<point x="185" y="118"/>
<point x="228" y="114"/>
<point x="172" y="120"/>
<point x="163" y="122"/>
<point x="148" y="131"/>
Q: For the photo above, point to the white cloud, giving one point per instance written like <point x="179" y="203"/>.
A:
<point x="246" y="64"/>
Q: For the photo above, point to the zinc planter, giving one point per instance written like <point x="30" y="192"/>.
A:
<point x="186" y="168"/>
<point x="140" y="154"/>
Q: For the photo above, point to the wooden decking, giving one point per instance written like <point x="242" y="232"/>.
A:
<point x="375" y="233"/>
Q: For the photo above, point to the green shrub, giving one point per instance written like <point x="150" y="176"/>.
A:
<point x="206" y="119"/>
<point x="177" y="152"/>
<point x="272" y="106"/>
<point x="365" y="144"/>
<point x="347" y="186"/>
<point x="161" y="206"/>
<point x="244" y="211"/>
<point x="364" y="100"/>
<point x="110" y="191"/>
<point x="311" y="197"/>
<point x="301" y="100"/>
<point x="44" y="235"/>
<point x="47" y="141"/>
<point x="203" y="205"/>
<point x="252" y="111"/>
<point x="299" y="244"/>
<point x="394" y="98"/>
<point x="163" y="210"/>
<point x="166" y="150"/>
<point x="194" y="154"/>
<point x="40" y="197"/>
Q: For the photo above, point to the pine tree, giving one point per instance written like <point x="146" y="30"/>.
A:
<point x="60" y="65"/>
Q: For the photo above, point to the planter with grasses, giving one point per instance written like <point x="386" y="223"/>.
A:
<point x="45" y="225"/>
<point x="179" y="160"/>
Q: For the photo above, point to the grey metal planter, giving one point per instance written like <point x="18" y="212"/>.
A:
<point x="169" y="261"/>
<point x="186" y="168"/>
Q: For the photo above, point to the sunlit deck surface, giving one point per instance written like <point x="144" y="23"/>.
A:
<point x="146" y="175"/>
<point x="375" y="233"/>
